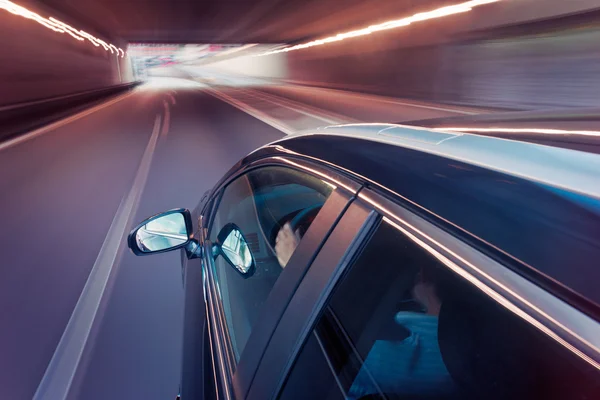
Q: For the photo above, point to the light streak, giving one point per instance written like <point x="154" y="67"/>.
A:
<point x="103" y="44"/>
<point x="89" y="37"/>
<point x="58" y="26"/>
<point x="23" y="12"/>
<point x="67" y="28"/>
<point x="438" y="13"/>
<point x="523" y="130"/>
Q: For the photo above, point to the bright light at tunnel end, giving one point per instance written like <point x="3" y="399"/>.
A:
<point x="59" y="27"/>
<point x="423" y="16"/>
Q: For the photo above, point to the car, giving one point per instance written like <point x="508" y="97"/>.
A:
<point x="376" y="261"/>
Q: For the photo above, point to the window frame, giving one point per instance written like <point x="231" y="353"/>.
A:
<point x="569" y="327"/>
<point x="235" y="383"/>
<point x="346" y="240"/>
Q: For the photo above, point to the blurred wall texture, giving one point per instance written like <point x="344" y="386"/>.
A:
<point x="38" y="63"/>
<point x="478" y="58"/>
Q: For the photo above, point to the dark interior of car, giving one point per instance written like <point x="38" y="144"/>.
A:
<point x="478" y="349"/>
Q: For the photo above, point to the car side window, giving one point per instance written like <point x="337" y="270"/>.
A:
<point x="272" y="207"/>
<point x="401" y="325"/>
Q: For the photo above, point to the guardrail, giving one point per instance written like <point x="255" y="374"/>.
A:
<point x="22" y="117"/>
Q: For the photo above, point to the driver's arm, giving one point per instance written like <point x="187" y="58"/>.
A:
<point x="286" y="243"/>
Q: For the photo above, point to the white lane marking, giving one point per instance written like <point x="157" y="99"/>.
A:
<point x="383" y="99"/>
<point x="261" y="116"/>
<point x="300" y="108"/>
<point x="327" y="113"/>
<point x="172" y="98"/>
<point x="62" y="122"/>
<point x="167" y="119"/>
<point x="58" y="378"/>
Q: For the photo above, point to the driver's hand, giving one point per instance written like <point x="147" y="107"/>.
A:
<point x="285" y="244"/>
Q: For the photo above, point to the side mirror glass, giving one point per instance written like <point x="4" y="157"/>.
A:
<point x="234" y="248"/>
<point x="163" y="232"/>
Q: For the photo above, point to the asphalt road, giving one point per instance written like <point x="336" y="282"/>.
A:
<point x="59" y="194"/>
<point x="66" y="192"/>
<point x="365" y="107"/>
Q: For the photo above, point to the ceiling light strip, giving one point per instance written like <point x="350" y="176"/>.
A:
<point x="438" y="13"/>
<point x="58" y="26"/>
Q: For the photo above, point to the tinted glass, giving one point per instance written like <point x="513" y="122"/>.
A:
<point x="400" y="325"/>
<point x="272" y="207"/>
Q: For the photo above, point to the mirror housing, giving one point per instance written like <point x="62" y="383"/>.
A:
<point x="167" y="231"/>
<point x="233" y="246"/>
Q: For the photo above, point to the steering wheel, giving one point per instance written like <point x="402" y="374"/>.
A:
<point x="304" y="218"/>
<point x="298" y="220"/>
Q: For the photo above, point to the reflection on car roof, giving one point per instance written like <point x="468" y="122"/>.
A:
<point x="562" y="168"/>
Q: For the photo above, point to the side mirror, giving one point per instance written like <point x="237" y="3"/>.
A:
<point x="233" y="246"/>
<point x="163" y="232"/>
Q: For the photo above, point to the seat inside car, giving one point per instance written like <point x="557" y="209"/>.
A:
<point x="481" y="352"/>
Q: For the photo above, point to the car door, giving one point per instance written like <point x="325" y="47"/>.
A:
<point x="242" y="310"/>
<point x="395" y="307"/>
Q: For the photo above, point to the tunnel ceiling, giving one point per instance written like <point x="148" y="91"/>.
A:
<point x="233" y="21"/>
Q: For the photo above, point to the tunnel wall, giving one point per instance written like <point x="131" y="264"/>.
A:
<point x="525" y="72"/>
<point x="552" y="70"/>
<point x="38" y="63"/>
<point x="539" y="64"/>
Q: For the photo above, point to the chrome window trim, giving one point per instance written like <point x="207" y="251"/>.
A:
<point x="215" y="315"/>
<point x="562" y="322"/>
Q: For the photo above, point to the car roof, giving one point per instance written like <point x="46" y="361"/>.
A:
<point x="575" y="129"/>
<point x="536" y="206"/>
<point x="563" y="168"/>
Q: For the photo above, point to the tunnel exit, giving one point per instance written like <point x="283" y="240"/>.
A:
<point x="209" y="64"/>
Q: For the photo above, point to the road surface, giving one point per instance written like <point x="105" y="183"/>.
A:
<point x="69" y="192"/>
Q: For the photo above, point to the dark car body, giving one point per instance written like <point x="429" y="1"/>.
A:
<point x="518" y="221"/>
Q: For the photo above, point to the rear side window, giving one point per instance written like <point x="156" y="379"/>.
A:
<point x="400" y="325"/>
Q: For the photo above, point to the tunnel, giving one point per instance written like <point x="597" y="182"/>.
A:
<point x="115" y="110"/>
